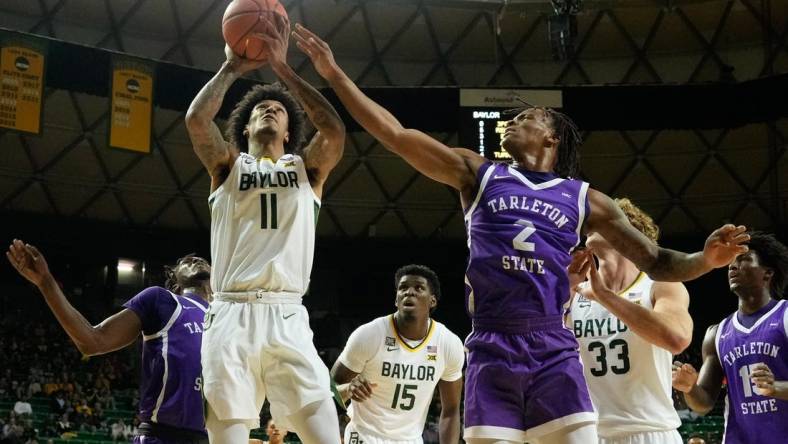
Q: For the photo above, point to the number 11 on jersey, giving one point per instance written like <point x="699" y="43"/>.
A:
<point x="268" y="217"/>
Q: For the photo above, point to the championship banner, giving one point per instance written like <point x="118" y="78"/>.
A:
<point x="131" y="101"/>
<point x="22" y="70"/>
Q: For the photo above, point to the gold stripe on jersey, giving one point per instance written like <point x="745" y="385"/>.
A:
<point x="632" y="285"/>
<point x="404" y="343"/>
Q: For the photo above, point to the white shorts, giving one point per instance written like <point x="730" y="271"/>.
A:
<point x="354" y="436"/>
<point x="660" y="437"/>
<point x="254" y="351"/>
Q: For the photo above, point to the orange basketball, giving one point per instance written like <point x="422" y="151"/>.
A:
<point x="243" y="20"/>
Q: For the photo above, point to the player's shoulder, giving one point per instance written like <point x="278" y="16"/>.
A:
<point x="443" y="334"/>
<point x="153" y="293"/>
<point x="375" y="327"/>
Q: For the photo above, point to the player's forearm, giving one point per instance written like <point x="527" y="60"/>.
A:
<point x="208" y="101"/>
<point x="699" y="400"/>
<point x="81" y="332"/>
<point x="320" y="112"/>
<point x="657" y="328"/>
<point x="375" y="119"/>
<point x="676" y="266"/>
<point x="449" y="427"/>
<point x="780" y="390"/>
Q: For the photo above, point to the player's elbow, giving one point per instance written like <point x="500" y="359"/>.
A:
<point x="677" y="343"/>
<point x="89" y="348"/>
<point x="196" y="121"/>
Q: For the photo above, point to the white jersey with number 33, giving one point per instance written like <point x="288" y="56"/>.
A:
<point x="628" y="377"/>
<point x="406" y="373"/>
<point x="263" y="226"/>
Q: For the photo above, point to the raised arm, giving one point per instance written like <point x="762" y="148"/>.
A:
<point x="325" y="149"/>
<point x="667" y="325"/>
<point x="115" y="332"/>
<point x="214" y="152"/>
<point x="454" y="167"/>
<point x="662" y="264"/>
<point x="701" y="390"/>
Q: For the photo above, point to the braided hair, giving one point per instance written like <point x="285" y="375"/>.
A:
<point x="569" y="139"/>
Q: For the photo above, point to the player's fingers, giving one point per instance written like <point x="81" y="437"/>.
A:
<point x="12" y="259"/>
<point x="305" y="50"/>
<point x="688" y="368"/>
<point x="306" y="32"/>
<point x="760" y="367"/>
<point x="33" y="251"/>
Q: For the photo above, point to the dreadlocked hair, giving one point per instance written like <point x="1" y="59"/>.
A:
<point x="772" y="254"/>
<point x="569" y="141"/>
<point x="170" y="280"/>
<point x="239" y="117"/>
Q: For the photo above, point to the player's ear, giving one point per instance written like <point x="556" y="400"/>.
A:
<point x="768" y="274"/>
<point x="287" y="136"/>
<point x="246" y="131"/>
<point x="433" y="301"/>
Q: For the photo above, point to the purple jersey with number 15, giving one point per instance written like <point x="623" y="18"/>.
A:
<point x="749" y="416"/>
<point x="521" y="229"/>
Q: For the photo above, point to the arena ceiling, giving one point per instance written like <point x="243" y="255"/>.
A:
<point x="690" y="180"/>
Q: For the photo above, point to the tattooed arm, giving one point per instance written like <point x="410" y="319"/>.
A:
<point x="214" y="152"/>
<point x="662" y="264"/>
<point x="325" y="149"/>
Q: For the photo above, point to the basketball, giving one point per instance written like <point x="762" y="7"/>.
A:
<point x="243" y="20"/>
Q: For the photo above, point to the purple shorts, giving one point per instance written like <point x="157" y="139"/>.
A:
<point x="524" y="380"/>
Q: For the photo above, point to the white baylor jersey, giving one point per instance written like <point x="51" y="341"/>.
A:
<point x="405" y="372"/>
<point x="263" y="226"/>
<point x="628" y="377"/>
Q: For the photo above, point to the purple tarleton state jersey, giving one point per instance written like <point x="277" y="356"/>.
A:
<point x="521" y="228"/>
<point x="170" y="385"/>
<point x="750" y="417"/>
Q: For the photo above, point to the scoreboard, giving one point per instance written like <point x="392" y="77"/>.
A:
<point x="483" y="118"/>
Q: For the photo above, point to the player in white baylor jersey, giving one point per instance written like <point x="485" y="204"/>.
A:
<point x="265" y="193"/>
<point x="391" y="366"/>
<point x="629" y="327"/>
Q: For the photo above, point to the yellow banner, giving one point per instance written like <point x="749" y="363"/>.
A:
<point x="131" y="116"/>
<point x="21" y="86"/>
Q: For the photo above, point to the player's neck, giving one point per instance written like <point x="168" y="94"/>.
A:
<point x="540" y="160"/>
<point x="270" y="148"/>
<point x="750" y="302"/>
<point x="617" y="272"/>
<point x="411" y="328"/>
<point x="203" y="291"/>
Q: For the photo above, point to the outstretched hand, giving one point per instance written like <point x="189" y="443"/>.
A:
<point x="684" y="376"/>
<point x="28" y="261"/>
<point x="277" y="38"/>
<point x="724" y="244"/>
<point x="318" y="52"/>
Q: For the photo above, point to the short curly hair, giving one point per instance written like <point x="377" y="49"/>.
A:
<point x="772" y="254"/>
<point x="639" y="219"/>
<point x="239" y="117"/>
<point x="171" y="278"/>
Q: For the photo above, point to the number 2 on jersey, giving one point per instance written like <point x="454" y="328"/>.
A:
<point x="268" y="217"/>
<point x="519" y="241"/>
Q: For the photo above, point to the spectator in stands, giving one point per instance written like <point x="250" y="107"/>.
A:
<point x="23" y="407"/>
<point x="64" y="425"/>
<point x="275" y="434"/>
<point x="120" y="431"/>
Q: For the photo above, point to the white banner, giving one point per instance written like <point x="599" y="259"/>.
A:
<point x="507" y="98"/>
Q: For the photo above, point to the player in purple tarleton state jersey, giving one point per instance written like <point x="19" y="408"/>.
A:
<point x="749" y="348"/>
<point x="524" y="380"/>
<point x="171" y="324"/>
